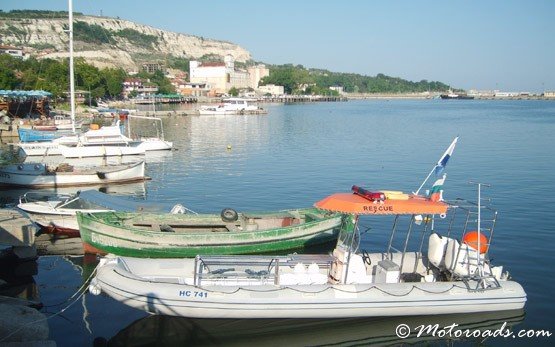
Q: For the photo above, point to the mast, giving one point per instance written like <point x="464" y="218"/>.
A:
<point x="71" y="72"/>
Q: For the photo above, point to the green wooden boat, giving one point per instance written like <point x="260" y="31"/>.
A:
<point x="187" y="235"/>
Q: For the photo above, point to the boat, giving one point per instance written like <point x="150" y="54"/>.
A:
<point x="446" y="269"/>
<point x="55" y="214"/>
<point x="451" y="277"/>
<point x="95" y="140"/>
<point x="454" y="96"/>
<point x="83" y="151"/>
<point x="231" y="106"/>
<point x="33" y="135"/>
<point x="155" y="235"/>
<point x="65" y="123"/>
<point x="40" y="175"/>
<point x="106" y="141"/>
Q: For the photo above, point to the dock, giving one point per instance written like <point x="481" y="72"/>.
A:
<point x="289" y="99"/>
<point x="17" y="232"/>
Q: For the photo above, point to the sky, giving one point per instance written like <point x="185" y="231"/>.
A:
<point x="485" y="45"/>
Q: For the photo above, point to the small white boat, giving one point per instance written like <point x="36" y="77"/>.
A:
<point x="450" y="277"/>
<point x="108" y="135"/>
<point x="231" y="106"/>
<point x="57" y="212"/>
<point x="42" y="176"/>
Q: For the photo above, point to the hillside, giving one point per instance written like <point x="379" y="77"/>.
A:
<point x="107" y="42"/>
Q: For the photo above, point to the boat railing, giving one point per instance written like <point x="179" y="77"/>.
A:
<point x="245" y="270"/>
<point x="240" y="270"/>
<point x="42" y="196"/>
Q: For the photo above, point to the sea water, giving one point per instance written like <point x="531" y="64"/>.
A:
<point x="298" y="154"/>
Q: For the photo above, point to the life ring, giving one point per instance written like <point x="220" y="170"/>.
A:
<point x="229" y="215"/>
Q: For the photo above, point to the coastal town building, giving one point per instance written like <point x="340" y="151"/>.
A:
<point x="271" y="89"/>
<point x="256" y="73"/>
<point x="152" y="67"/>
<point x="549" y="94"/>
<point x="224" y="76"/>
<point x="13" y="51"/>
<point x="195" y="89"/>
<point x="138" y="87"/>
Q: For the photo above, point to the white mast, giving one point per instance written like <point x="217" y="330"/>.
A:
<point x="71" y="72"/>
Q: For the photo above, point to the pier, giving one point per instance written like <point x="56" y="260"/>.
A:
<point x="17" y="231"/>
<point x="287" y="99"/>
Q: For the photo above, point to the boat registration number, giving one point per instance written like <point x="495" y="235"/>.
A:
<point x="193" y="294"/>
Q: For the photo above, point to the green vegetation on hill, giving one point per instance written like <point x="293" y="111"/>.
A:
<point x="299" y="80"/>
<point x="53" y="76"/>
<point x="93" y="33"/>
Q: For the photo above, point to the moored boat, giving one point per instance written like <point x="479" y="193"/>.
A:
<point x="186" y="235"/>
<point x="435" y="261"/>
<point x="43" y="176"/>
<point x="231" y="106"/>
<point x="56" y="214"/>
<point x="450" y="277"/>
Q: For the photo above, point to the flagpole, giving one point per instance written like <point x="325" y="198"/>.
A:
<point x="425" y="180"/>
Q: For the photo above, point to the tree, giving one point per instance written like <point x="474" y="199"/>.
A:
<point x="233" y="91"/>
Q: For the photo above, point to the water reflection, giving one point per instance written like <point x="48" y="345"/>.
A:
<point x="166" y="330"/>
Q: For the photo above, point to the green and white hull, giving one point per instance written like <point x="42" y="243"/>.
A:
<point x="186" y="235"/>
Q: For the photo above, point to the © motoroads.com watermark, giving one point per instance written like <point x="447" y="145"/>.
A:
<point x="453" y="331"/>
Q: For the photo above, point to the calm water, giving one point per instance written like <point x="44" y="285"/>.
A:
<point x="298" y="154"/>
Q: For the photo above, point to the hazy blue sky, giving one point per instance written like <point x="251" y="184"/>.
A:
<point x="507" y="45"/>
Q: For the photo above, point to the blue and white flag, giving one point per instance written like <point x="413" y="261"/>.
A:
<point x="440" y="166"/>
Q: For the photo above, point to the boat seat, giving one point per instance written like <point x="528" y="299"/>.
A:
<point x="437" y="246"/>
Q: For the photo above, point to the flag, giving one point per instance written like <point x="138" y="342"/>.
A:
<point x="440" y="166"/>
<point x="436" y="193"/>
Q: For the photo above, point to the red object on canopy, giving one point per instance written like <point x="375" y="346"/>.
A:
<point x="356" y="204"/>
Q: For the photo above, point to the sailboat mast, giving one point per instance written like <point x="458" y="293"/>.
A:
<point x="71" y="72"/>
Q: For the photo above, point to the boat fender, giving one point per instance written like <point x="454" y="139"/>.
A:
<point x="101" y="175"/>
<point x="229" y="215"/>
<point x="94" y="288"/>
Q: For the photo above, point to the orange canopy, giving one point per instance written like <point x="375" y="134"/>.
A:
<point x="356" y="204"/>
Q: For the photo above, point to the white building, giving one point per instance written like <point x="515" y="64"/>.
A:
<point x="223" y="76"/>
<point x="272" y="89"/>
<point x="256" y="73"/>
<point x="13" y="51"/>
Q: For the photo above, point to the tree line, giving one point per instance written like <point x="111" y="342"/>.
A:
<point x="53" y="76"/>
<point x="297" y="79"/>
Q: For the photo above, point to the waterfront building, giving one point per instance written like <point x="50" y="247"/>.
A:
<point x="138" y="85"/>
<point x="224" y="76"/>
<point x="271" y="89"/>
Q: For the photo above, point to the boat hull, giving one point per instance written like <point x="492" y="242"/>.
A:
<point x="37" y="176"/>
<point x="299" y="301"/>
<point x="130" y="241"/>
<point x="100" y="151"/>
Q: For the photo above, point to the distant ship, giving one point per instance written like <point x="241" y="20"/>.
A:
<point x="452" y="95"/>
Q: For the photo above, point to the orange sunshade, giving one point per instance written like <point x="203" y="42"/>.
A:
<point x="356" y="204"/>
